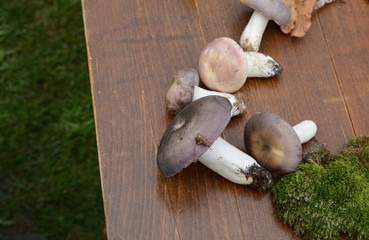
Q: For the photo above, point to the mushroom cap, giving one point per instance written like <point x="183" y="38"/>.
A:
<point x="191" y="133"/>
<point x="222" y="65"/>
<point x="273" y="143"/>
<point x="277" y="10"/>
<point x="180" y="93"/>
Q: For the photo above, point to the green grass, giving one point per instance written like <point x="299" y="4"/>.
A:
<point x="50" y="182"/>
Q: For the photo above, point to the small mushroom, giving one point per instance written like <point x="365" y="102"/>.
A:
<point x="185" y="89"/>
<point x="180" y="92"/>
<point x="194" y="134"/>
<point x="223" y="65"/>
<point x="293" y="16"/>
<point x="274" y="144"/>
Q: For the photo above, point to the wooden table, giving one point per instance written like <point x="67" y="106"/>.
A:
<point x="134" y="49"/>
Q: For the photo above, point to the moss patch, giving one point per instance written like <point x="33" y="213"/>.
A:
<point x="328" y="194"/>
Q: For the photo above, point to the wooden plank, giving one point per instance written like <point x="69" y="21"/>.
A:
<point x="346" y="30"/>
<point x="134" y="72"/>
<point x="128" y="56"/>
<point x="135" y="47"/>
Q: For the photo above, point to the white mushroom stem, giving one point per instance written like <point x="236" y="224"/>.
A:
<point x="234" y="165"/>
<point x="305" y="130"/>
<point x="229" y="162"/>
<point x="253" y="33"/>
<point x="237" y="101"/>
<point x="261" y="65"/>
<point x="251" y="36"/>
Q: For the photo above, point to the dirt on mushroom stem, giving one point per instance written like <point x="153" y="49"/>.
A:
<point x="262" y="178"/>
<point x="239" y="104"/>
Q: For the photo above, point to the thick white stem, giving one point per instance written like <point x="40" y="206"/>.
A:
<point x="252" y="34"/>
<point x="306" y="130"/>
<point x="261" y="65"/>
<point x="237" y="101"/>
<point x="229" y="162"/>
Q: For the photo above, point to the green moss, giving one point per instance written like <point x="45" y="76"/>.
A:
<point x="328" y="194"/>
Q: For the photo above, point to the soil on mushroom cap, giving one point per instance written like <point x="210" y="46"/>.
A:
<point x="201" y="140"/>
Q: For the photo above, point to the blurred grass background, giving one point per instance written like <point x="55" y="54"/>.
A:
<point x="50" y="182"/>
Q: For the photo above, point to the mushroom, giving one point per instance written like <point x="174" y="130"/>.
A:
<point x="223" y="65"/>
<point x="274" y="144"/>
<point x="293" y="16"/>
<point x="185" y="89"/>
<point x="194" y="134"/>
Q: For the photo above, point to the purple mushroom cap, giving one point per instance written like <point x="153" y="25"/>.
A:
<point x="277" y="10"/>
<point x="181" y="91"/>
<point x="273" y="143"/>
<point x="191" y="133"/>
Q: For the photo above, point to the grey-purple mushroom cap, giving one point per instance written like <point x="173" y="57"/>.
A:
<point x="273" y="143"/>
<point x="181" y="91"/>
<point x="191" y="133"/>
<point x="277" y="10"/>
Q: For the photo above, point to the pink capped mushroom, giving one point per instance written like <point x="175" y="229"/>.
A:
<point x="293" y="16"/>
<point x="223" y="65"/>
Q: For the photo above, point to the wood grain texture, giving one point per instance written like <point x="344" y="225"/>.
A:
<point x="134" y="49"/>
<point x="347" y="36"/>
